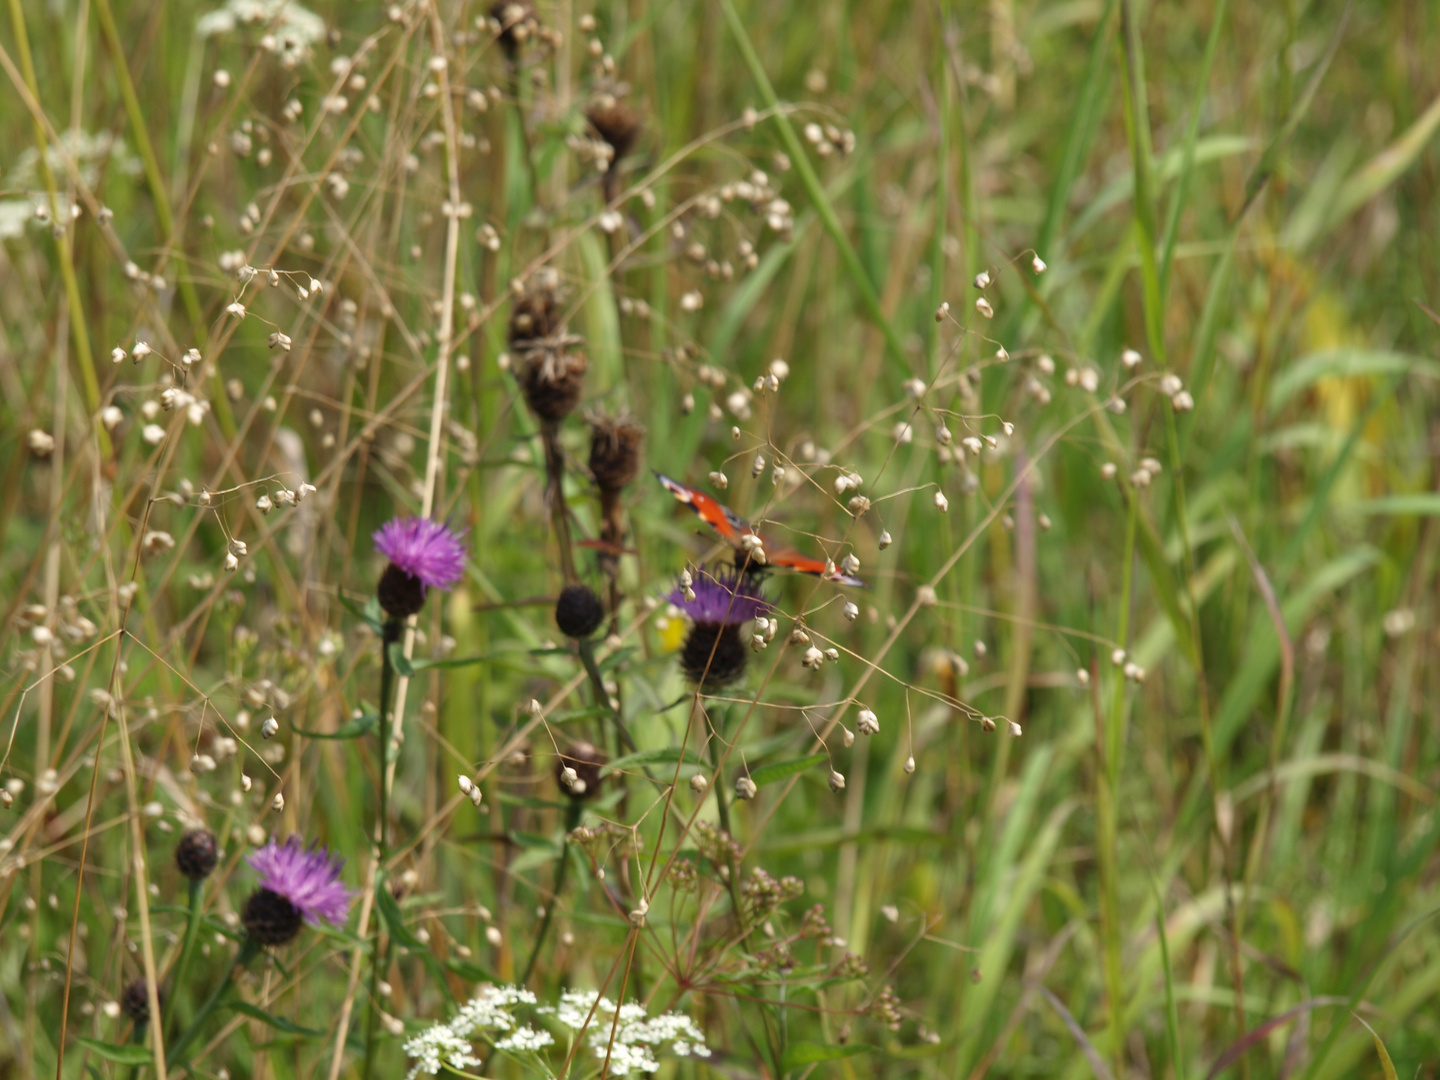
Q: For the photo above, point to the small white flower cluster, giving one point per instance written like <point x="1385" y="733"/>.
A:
<point x="636" y="1036"/>
<point x="486" y="1011"/>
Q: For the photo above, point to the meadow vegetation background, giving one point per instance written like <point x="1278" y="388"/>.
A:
<point x="1097" y="336"/>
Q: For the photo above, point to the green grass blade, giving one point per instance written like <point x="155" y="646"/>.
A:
<point x="799" y="157"/>
<point x="1137" y="129"/>
<point x="1192" y="132"/>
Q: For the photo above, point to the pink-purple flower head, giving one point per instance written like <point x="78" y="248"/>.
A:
<point x="423" y="548"/>
<point x="308" y="878"/>
<point x="722" y="600"/>
<point x="423" y="554"/>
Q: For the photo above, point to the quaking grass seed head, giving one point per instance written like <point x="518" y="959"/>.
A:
<point x="517" y="22"/>
<point x="578" y="770"/>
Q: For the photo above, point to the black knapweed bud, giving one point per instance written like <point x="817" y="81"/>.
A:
<point x="577" y="770"/>
<point x="713" y="655"/>
<point x="197" y="853"/>
<point x="135" y="1002"/>
<point x="718" y="605"/>
<point x="270" y="919"/>
<point x="400" y="594"/>
<point x="615" y="446"/>
<point x="579" y="611"/>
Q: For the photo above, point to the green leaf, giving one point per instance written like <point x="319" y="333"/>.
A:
<point x="121" y="1055"/>
<point x="1345" y="360"/>
<point x="1385" y="167"/>
<point x="351" y="729"/>
<point x="800" y="158"/>
<point x="279" y="1023"/>
<point x="395" y="921"/>
<point x="1386" y="1065"/>
<point x="398" y="660"/>
<point x="472" y="972"/>
<point x="783" y="770"/>
<point x="829" y="839"/>
<point x="370" y="613"/>
<point x="457" y="662"/>
<point x="666" y="756"/>
<point x="615" y="659"/>
<point x="1412" y="504"/>
<point x="806" y="1053"/>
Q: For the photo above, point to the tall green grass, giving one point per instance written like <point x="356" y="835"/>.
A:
<point x="1212" y="847"/>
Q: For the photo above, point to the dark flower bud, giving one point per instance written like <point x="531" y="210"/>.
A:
<point x="577" y="770"/>
<point x="713" y="655"/>
<point x="135" y="1002"/>
<point x="400" y="594"/>
<point x="552" y="380"/>
<point x="535" y="318"/>
<point x="518" y="24"/>
<point x="270" y="919"/>
<point x="617" y="124"/>
<point x="197" y="854"/>
<point x="615" y="447"/>
<point x="579" y="611"/>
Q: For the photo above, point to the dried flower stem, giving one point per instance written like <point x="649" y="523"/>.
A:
<point x="555" y="496"/>
<point x="445" y="342"/>
<point x="592" y="669"/>
<point x="389" y="636"/>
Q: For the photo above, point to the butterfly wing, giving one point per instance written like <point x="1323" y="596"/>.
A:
<point x="721" y="518"/>
<point x="733" y="527"/>
<point x="808" y="564"/>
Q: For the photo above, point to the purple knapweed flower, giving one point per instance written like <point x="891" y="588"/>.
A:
<point x="723" y="600"/>
<point x="713" y="654"/>
<point x="296" y="884"/>
<point x="423" y="554"/>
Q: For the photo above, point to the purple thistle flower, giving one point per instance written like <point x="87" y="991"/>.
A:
<point x="423" y="554"/>
<point x="724" y="600"/>
<point x="306" y="878"/>
<point x="424" y="549"/>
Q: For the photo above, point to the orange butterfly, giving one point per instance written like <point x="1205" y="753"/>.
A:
<point x="734" y="529"/>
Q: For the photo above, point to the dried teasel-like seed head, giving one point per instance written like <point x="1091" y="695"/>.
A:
<point x="536" y="317"/>
<point x="616" y="449"/>
<point x="616" y="123"/>
<point x="552" y="380"/>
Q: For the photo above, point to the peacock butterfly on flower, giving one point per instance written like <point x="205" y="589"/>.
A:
<point x="733" y="528"/>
